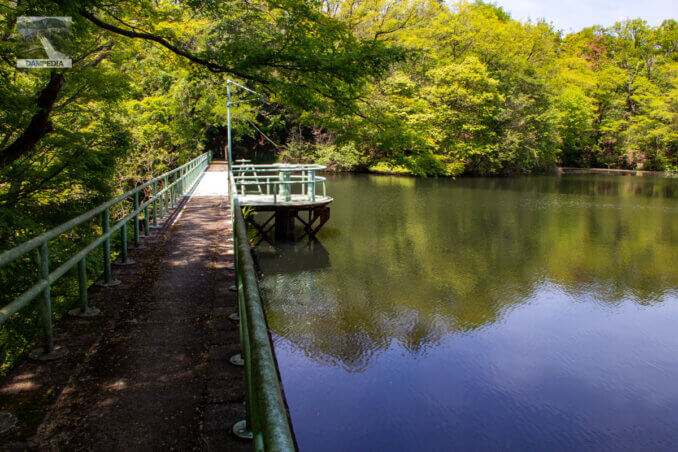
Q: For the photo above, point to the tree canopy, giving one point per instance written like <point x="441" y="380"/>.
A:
<point x="404" y="86"/>
<point x="484" y="94"/>
<point x="409" y="86"/>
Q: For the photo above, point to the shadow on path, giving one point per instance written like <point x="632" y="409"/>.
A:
<point x="157" y="375"/>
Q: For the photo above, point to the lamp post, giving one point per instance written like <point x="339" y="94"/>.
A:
<point x="228" y="104"/>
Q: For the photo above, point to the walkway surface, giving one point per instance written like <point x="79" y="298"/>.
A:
<point x="155" y="374"/>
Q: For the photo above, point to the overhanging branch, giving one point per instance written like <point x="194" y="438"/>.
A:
<point x="40" y="124"/>
<point x="214" y="67"/>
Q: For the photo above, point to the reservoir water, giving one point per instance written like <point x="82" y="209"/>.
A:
<point x="528" y="313"/>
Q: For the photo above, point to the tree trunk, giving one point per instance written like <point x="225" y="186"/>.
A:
<point x="40" y="124"/>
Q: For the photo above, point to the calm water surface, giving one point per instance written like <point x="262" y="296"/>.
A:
<point x="523" y="313"/>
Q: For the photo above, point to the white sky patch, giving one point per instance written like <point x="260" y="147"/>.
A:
<point x="573" y="15"/>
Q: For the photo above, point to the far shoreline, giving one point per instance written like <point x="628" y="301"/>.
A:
<point x="629" y="172"/>
<point x="556" y="171"/>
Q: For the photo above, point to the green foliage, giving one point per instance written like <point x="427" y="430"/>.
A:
<point x="336" y="157"/>
<point x="492" y="95"/>
<point x="403" y="86"/>
<point x="339" y="158"/>
<point x="147" y="92"/>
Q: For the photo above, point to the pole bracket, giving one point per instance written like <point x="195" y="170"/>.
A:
<point x="90" y="312"/>
<point x="241" y="431"/>
<point x="237" y="360"/>
<point x="39" y="354"/>
<point x="8" y="421"/>
<point x="111" y="283"/>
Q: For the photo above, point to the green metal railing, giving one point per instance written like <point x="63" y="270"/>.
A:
<point x="267" y="419"/>
<point x="164" y="190"/>
<point x="279" y="181"/>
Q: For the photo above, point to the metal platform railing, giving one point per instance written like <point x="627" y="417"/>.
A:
<point x="267" y="422"/>
<point x="281" y="181"/>
<point x="162" y="193"/>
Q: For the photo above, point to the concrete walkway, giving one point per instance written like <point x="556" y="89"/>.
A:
<point x="158" y="377"/>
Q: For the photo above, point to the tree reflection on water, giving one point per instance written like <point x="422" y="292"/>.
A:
<point x="415" y="261"/>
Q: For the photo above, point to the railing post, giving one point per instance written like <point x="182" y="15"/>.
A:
<point x="285" y="192"/>
<point x="160" y="204"/>
<point x="46" y="306"/>
<point x="47" y="352"/>
<point x="107" y="282"/>
<point x="136" y="220"/>
<point x="175" y="187"/>
<point x="107" y="246"/>
<point x="155" y="204"/>
<point x="147" y="226"/>
<point x="123" y="243"/>
<point x="166" y="194"/>
<point x="170" y="189"/>
<point x="307" y="185"/>
<point x="124" y="258"/>
<point x="84" y="310"/>
<point x="313" y="186"/>
<point x="82" y="283"/>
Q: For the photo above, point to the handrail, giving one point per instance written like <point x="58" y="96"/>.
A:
<point x="282" y="177"/>
<point x="279" y="166"/>
<point x="161" y="200"/>
<point x="267" y="418"/>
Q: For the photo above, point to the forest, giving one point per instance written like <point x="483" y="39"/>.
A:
<point x="415" y="87"/>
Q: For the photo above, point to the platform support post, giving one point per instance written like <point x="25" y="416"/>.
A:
<point x="284" y="224"/>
